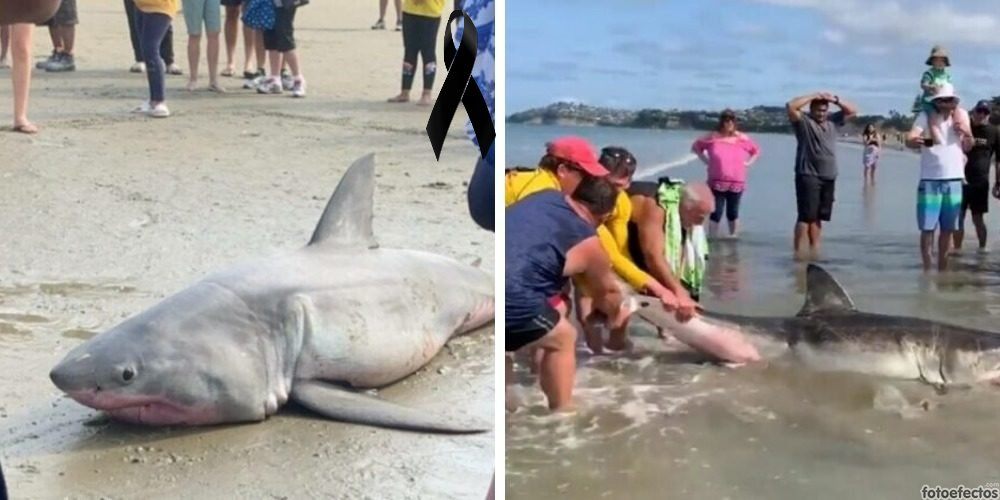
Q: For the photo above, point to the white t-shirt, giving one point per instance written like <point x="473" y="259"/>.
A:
<point x="945" y="161"/>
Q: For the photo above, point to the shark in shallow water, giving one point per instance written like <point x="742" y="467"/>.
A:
<point x="830" y="334"/>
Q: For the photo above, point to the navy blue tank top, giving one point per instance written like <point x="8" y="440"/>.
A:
<point x="540" y="229"/>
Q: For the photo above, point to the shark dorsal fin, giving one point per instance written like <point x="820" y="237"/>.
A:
<point x="347" y="220"/>
<point x="824" y="295"/>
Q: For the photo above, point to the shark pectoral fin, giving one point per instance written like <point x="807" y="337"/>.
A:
<point x="337" y="403"/>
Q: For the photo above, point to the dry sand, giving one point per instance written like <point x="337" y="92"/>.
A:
<point x="104" y="213"/>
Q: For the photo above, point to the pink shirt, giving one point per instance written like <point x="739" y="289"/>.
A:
<point x="727" y="158"/>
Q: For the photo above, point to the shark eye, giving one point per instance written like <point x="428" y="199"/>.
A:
<point x="128" y="374"/>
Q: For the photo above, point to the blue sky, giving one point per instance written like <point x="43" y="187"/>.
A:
<point x="711" y="54"/>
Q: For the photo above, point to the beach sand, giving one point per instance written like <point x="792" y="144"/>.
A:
<point x="105" y="213"/>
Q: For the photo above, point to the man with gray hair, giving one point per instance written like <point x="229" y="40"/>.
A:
<point x="666" y="233"/>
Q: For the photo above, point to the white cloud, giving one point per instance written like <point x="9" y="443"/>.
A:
<point x="922" y="21"/>
<point x="835" y="37"/>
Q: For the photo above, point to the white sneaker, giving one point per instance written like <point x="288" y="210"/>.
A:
<point x="299" y="87"/>
<point x="160" y="111"/>
<point x="143" y="108"/>
<point x="253" y="83"/>
<point x="287" y="82"/>
<point x="139" y="67"/>
<point x="270" y="86"/>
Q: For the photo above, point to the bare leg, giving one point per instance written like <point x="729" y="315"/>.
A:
<point x="980" y="224"/>
<point x="292" y="61"/>
<point x="399" y="10"/>
<point x="231" y="32"/>
<point x="926" y="242"/>
<point x="382" y="4"/>
<point x="801" y="234"/>
<point x="259" y="50"/>
<point x="20" y="52"/>
<point x="67" y="38"/>
<point x="815" y="237"/>
<point x="55" y="38"/>
<point x="592" y="336"/>
<point x="959" y="236"/>
<point x="213" y="59"/>
<point x="194" y="53"/>
<point x="4" y="44"/>
<point x="944" y="245"/>
<point x="558" y="370"/>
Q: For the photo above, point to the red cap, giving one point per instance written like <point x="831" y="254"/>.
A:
<point x="579" y="151"/>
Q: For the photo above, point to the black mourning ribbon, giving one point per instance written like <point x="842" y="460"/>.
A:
<point x="459" y="87"/>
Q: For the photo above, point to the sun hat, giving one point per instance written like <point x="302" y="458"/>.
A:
<point x="938" y="51"/>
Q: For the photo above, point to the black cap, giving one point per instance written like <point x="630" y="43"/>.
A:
<point x="983" y="105"/>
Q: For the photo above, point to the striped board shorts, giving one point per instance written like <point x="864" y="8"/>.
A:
<point x="939" y="204"/>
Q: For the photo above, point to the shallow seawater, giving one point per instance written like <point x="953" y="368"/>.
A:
<point x="659" y="424"/>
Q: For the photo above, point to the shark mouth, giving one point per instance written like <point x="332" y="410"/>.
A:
<point x="145" y="410"/>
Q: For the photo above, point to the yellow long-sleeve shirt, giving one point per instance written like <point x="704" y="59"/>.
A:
<point x="613" y="233"/>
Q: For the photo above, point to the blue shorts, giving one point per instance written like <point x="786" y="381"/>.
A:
<point x="939" y="204"/>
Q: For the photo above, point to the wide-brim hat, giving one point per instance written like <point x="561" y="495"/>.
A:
<point x="938" y="51"/>
<point x="946" y="91"/>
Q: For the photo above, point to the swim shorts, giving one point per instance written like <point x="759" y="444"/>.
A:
<point x="939" y="204"/>
<point x="976" y="197"/>
<point x="521" y="334"/>
<point x="814" y="197"/>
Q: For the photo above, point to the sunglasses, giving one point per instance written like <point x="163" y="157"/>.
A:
<point x="947" y="100"/>
<point x="617" y="155"/>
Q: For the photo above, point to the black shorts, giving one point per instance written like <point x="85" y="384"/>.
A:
<point x="814" y="197"/>
<point x="521" y="334"/>
<point x="976" y="197"/>
<point x="282" y="37"/>
<point x="232" y="3"/>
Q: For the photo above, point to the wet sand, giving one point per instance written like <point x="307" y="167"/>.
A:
<point x="104" y="213"/>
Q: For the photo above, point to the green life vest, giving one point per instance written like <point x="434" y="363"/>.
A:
<point x="687" y="258"/>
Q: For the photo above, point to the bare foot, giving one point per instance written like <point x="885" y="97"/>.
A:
<point x="191" y="85"/>
<point x="215" y="87"/>
<point x="4" y="64"/>
<point x="425" y="100"/>
<point x="402" y="97"/>
<point x="25" y="128"/>
<point x="229" y="71"/>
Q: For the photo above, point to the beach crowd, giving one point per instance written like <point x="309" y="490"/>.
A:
<point x="271" y="63"/>
<point x="584" y="240"/>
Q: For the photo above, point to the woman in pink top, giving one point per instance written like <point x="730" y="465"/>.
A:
<point x="727" y="152"/>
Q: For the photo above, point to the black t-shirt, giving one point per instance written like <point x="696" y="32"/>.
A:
<point x="977" y="169"/>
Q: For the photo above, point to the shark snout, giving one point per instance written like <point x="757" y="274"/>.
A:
<point x="74" y="373"/>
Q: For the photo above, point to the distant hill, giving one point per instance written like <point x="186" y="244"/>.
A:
<point x="756" y="119"/>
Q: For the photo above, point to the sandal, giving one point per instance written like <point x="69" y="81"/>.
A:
<point x="228" y="72"/>
<point x="215" y="87"/>
<point x="398" y="99"/>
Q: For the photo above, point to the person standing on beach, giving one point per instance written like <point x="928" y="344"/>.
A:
<point x="942" y="172"/>
<point x="153" y="18"/>
<point x="253" y="43"/>
<point x="421" y="19"/>
<point x="550" y="238"/>
<point x="166" y="47"/>
<point x="280" y="44"/>
<point x="382" y="7"/>
<point x="728" y="154"/>
<point x="873" y="147"/>
<point x="20" y="16"/>
<point x="976" y="189"/>
<point x="62" y="31"/>
<point x="815" y="164"/>
<point x="207" y="14"/>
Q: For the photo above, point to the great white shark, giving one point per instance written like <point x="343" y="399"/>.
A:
<point x="312" y="325"/>
<point x="830" y="334"/>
